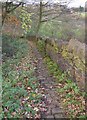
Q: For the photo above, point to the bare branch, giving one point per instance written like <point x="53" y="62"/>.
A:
<point x="52" y="18"/>
<point x="8" y="11"/>
<point x="8" y="7"/>
<point x="45" y="4"/>
<point x="47" y="10"/>
<point x="53" y="13"/>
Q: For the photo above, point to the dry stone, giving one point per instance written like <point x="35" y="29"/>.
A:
<point x="70" y="55"/>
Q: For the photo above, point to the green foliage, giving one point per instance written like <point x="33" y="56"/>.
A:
<point x="25" y="20"/>
<point x="41" y="46"/>
<point x="83" y="117"/>
<point x="80" y="34"/>
<point x="46" y="29"/>
<point x="64" y="27"/>
<point x="15" y="86"/>
<point x="56" y="29"/>
<point x="71" y="94"/>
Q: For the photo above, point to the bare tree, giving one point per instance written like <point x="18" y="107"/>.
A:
<point x="43" y="10"/>
<point x="8" y="7"/>
<point x="46" y="11"/>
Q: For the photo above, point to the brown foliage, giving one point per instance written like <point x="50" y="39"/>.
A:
<point x="13" y="20"/>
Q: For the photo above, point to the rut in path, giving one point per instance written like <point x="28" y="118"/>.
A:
<point x="51" y="98"/>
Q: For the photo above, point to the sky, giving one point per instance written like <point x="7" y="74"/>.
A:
<point x="77" y="3"/>
<point x="74" y="3"/>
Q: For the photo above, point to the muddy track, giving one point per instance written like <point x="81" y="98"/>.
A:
<point x="50" y="99"/>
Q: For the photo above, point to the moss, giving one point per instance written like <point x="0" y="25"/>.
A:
<point x="64" y="53"/>
<point x="41" y="46"/>
<point x="50" y="48"/>
<point x="80" y="65"/>
<point x="69" y="56"/>
<point x="56" y="49"/>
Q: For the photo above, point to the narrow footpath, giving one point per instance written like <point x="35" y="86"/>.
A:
<point x="50" y="99"/>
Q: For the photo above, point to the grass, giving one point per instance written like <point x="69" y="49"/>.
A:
<point x="19" y="82"/>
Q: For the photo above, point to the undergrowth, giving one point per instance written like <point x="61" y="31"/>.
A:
<point x="71" y="96"/>
<point x="41" y="46"/>
<point x="19" y="96"/>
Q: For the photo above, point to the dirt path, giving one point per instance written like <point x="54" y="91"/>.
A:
<point x="50" y="100"/>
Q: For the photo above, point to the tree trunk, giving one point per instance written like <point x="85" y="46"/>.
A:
<point x="40" y="17"/>
<point x="3" y="18"/>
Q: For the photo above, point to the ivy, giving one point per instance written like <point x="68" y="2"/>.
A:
<point x="25" y="20"/>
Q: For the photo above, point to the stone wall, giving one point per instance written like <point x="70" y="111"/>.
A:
<point x="70" y="56"/>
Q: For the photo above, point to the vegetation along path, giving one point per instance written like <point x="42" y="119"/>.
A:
<point x="35" y="87"/>
<point x="50" y="100"/>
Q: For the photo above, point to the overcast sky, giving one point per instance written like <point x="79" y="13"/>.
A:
<point x="74" y="3"/>
<point x="77" y="3"/>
